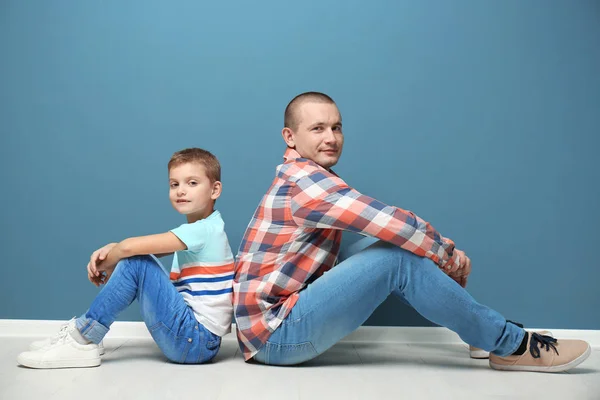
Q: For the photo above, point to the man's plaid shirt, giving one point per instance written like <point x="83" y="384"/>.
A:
<point x="294" y="238"/>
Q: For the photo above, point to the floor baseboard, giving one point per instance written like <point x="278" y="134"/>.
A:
<point x="381" y="334"/>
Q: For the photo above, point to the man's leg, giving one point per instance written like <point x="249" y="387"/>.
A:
<point x="168" y="318"/>
<point x="343" y="298"/>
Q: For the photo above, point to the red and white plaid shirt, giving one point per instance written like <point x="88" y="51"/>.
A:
<point x="294" y="238"/>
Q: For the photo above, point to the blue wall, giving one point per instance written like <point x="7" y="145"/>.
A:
<point x="482" y="117"/>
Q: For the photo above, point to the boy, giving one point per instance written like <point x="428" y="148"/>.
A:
<point x="186" y="315"/>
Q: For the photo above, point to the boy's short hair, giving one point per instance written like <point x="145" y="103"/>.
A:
<point x="200" y="156"/>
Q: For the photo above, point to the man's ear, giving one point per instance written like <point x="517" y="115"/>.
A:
<point x="288" y="137"/>
<point x="217" y="188"/>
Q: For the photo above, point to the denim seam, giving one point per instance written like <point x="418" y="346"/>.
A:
<point x="88" y="328"/>
<point x="267" y="353"/>
<point x="155" y="326"/>
<point x="185" y="351"/>
<point x="163" y="325"/>
<point x="290" y="346"/>
<point x="85" y="326"/>
<point x="302" y="344"/>
<point x="202" y="342"/>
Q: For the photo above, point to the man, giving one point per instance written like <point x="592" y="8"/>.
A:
<point x="292" y="302"/>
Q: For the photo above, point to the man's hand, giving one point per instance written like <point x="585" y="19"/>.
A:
<point x="461" y="272"/>
<point x="94" y="272"/>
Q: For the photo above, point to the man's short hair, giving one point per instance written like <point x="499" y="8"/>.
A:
<point x="200" y="156"/>
<point x="290" y="118"/>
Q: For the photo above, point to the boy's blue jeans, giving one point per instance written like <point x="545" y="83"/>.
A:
<point x="169" y="319"/>
<point x="343" y="298"/>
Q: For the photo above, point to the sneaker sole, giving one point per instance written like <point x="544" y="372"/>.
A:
<point x="93" y="362"/>
<point x="100" y="349"/>
<point x="554" y="368"/>
<point x="479" y="354"/>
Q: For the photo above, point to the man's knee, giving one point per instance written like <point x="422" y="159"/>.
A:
<point x="404" y="261"/>
<point x="386" y="249"/>
<point x="356" y="247"/>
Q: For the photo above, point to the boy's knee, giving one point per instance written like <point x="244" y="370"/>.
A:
<point x="143" y="259"/>
<point x="135" y="263"/>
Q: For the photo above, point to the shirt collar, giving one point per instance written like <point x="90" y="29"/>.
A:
<point x="291" y="155"/>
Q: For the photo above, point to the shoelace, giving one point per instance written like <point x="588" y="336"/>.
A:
<point x="58" y="338"/>
<point x="61" y="334"/>
<point x="544" y="341"/>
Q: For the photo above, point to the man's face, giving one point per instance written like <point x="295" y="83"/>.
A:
<point x="318" y="134"/>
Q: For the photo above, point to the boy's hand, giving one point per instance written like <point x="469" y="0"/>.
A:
<point x="103" y="271"/>
<point x="100" y="279"/>
<point x="94" y="275"/>
<point x="104" y="260"/>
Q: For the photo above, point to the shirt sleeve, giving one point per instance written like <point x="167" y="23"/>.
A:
<point x="192" y="235"/>
<point x="323" y="200"/>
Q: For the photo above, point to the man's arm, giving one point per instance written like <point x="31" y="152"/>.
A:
<point x="323" y="200"/>
<point x="162" y="243"/>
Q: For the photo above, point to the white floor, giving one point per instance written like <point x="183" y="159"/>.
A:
<point x="135" y="369"/>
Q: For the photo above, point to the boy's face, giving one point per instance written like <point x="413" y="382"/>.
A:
<point x="191" y="191"/>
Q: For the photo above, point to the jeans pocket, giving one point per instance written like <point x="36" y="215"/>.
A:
<point x="289" y="354"/>
<point x="174" y="347"/>
<point x="213" y="344"/>
<point x="296" y="314"/>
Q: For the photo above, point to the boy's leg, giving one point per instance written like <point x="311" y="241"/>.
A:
<point x="343" y="298"/>
<point x="168" y="318"/>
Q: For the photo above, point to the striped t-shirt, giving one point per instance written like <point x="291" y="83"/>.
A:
<point x="203" y="273"/>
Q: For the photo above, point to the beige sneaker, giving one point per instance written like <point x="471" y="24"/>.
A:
<point x="480" y="354"/>
<point x="544" y="354"/>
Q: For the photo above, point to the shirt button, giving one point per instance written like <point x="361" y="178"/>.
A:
<point x="190" y="340"/>
<point x="196" y="327"/>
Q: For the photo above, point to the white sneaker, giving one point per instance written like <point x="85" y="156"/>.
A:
<point x="68" y="326"/>
<point x="62" y="352"/>
<point x="479" y="354"/>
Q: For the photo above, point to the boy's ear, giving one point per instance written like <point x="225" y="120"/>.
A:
<point x="217" y="188"/>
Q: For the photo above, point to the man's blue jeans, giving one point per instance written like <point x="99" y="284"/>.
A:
<point x="169" y="319"/>
<point x="343" y="298"/>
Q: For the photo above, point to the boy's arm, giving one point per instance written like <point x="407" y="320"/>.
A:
<point x="162" y="243"/>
